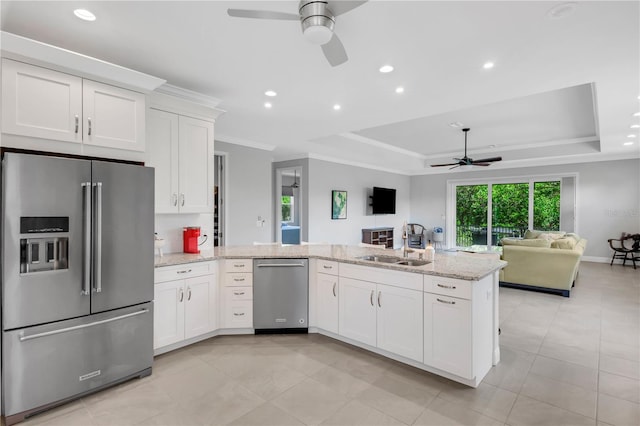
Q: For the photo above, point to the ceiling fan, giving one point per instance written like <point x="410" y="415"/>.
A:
<point x="466" y="161"/>
<point x="317" y="18"/>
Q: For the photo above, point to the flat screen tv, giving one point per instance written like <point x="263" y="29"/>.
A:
<point x="383" y="201"/>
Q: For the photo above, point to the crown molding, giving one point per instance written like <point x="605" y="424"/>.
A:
<point x="189" y="95"/>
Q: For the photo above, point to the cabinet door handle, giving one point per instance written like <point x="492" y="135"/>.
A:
<point x="334" y="290"/>
<point x="371" y="298"/>
<point x="89" y="130"/>
<point x="182" y="200"/>
<point x="238" y="293"/>
<point x="446" y="301"/>
<point x="183" y="271"/>
<point x="77" y="123"/>
<point x="238" y="314"/>
<point x="181" y="295"/>
<point x="188" y="293"/>
<point x="174" y="199"/>
<point x="379" y="296"/>
<point x="451" y="287"/>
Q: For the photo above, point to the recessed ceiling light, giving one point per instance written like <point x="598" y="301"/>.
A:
<point x="337" y="107"/>
<point x="399" y="89"/>
<point x="637" y="114"/>
<point x="270" y="93"/>
<point x="561" y="11"/>
<point x="84" y="14"/>
<point x="267" y="105"/>
<point x="386" y="69"/>
<point x="631" y="136"/>
<point x="492" y="146"/>
<point x="627" y="143"/>
<point x="635" y="126"/>
<point x="488" y="65"/>
<point x="456" y="124"/>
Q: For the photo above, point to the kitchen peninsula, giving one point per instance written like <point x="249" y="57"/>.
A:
<point x="440" y="317"/>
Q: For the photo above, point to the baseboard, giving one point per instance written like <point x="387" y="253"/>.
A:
<point x="598" y="259"/>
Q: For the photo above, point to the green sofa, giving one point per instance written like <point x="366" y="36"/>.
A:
<point x="542" y="261"/>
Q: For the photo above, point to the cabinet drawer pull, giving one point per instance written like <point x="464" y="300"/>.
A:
<point x="238" y="314"/>
<point x="238" y="265"/>
<point x="238" y="279"/>
<point x="379" y="296"/>
<point x="238" y="293"/>
<point x="446" y="301"/>
<point x="451" y="287"/>
<point x="371" y="298"/>
<point x="334" y="290"/>
<point x="181" y="295"/>
<point x="77" y="123"/>
<point x="327" y="267"/>
<point x="183" y="271"/>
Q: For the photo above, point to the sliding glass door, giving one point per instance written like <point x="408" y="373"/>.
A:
<point x="485" y="213"/>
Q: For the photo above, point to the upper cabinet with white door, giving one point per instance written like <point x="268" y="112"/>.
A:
<point x="59" y="108"/>
<point x="180" y="147"/>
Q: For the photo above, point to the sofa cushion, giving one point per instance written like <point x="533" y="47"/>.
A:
<point x="566" y="243"/>
<point x="574" y="236"/>
<point x="536" y="234"/>
<point x="531" y="242"/>
<point x="551" y="236"/>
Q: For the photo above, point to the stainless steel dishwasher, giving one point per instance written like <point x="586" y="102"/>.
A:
<point x="280" y="295"/>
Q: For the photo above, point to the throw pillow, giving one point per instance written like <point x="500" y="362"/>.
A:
<point x="574" y="236"/>
<point x="564" y="243"/>
<point x="529" y="234"/>
<point x="551" y="236"/>
<point x="531" y="242"/>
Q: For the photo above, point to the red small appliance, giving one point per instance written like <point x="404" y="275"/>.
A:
<point x="190" y="237"/>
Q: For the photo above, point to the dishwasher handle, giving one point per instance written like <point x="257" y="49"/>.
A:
<point x="278" y="265"/>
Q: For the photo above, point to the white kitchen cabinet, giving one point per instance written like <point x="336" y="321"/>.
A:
<point x="400" y="322"/>
<point x="186" y="307"/>
<point x="58" y="107"/>
<point x="357" y="313"/>
<point x="237" y="303"/>
<point x="447" y="334"/>
<point x="327" y="302"/>
<point x="181" y="150"/>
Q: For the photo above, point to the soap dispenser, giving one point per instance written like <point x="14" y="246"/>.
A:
<point x="429" y="252"/>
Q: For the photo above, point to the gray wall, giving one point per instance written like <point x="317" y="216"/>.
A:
<point x="325" y="176"/>
<point x="249" y="190"/>
<point x="608" y="198"/>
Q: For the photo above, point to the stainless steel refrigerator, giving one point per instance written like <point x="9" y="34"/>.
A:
<point x="77" y="278"/>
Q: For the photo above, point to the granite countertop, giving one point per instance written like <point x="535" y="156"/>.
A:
<point x="447" y="264"/>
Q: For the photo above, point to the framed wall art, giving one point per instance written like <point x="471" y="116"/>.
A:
<point x="338" y="204"/>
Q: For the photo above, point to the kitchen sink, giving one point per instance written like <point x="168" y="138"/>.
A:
<point x="395" y="260"/>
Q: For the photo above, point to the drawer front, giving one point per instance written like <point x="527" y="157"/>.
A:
<point x="238" y="265"/>
<point x="448" y="286"/>
<point x="238" y="280"/>
<point x="327" y="267"/>
<point x="372" y="274"/>
<point x="187" y="270"/>
<point x="239" y="293"/>
<point x="239" y="314"/>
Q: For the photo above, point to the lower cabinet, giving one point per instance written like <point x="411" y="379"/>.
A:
<point x="327" y="302"/>
<point x="447" y="334"/>
<point x="380" y="315"/>
<point x="237" y="302"/>
<point x="187" y="307"/>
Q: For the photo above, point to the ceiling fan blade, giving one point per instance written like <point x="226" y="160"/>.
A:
<point x="445" y="165"/>
<point x="340" y="7"/>
<point x="334" y="51"/>
<point x="262" y="14"/>
<point x="480" y="164"/>
<point x="487" y="160"/>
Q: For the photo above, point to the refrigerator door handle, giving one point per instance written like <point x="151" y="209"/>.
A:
<point x="97" y="250"/>
<point x="78" y="327"/>
<point x="86" y="249"/>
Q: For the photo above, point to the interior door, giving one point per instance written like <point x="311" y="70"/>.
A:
<point x="49" y="191"/>
<point x="123" y="235"/>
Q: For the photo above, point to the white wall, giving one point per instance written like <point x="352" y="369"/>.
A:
<point x="608" y="198"/>
<point x="249" y="194"/>
<point x="358" y="182"/>
<point x="169" y="227"/>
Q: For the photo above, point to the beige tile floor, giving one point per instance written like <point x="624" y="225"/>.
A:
<point x="564" y="362"/>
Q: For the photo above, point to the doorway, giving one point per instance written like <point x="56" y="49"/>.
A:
<point x="288" y="205"/>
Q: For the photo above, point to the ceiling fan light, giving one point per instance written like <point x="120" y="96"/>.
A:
<point x="466" y="167"/>
<point x="318" y="34"/>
